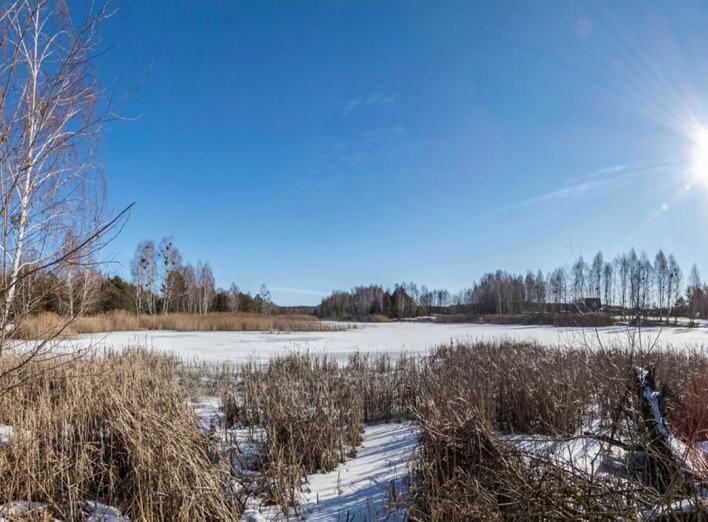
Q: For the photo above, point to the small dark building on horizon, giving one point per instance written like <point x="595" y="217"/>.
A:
<point x="592" y="304"/>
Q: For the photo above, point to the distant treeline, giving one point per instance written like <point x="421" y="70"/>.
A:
<point x="630" y="285"/>
<point x="98" y="294"/>
<point x="160" y="283"/>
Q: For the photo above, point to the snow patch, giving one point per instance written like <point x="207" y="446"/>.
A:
<point x="6" y="432"/>
<point x="360" y="489"/>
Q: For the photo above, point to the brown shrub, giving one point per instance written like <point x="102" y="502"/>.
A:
<point x="312" y="410"/>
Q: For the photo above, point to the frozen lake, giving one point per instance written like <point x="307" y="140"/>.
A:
<point x="392" y="338"/>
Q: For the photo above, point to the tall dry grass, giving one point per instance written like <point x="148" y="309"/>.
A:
<point x="115" y="428"/>
<point x="468" y="394"/>
<point x="464" y="472"/>
<point x="462" y="397"/>
<point x="312" y="410"/>
<point x="34" y="327"/>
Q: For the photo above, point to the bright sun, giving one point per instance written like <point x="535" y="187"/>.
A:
<point x="700" y="154"/>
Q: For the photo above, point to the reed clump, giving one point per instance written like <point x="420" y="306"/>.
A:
<point x="463" y="471"/>
<point x="112" y="427"/>
<point x="312" y="410"/>
<point x="467" y="395"/>
<point x="311" y="414"/>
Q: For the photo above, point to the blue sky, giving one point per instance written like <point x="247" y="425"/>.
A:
<point x="315" y="146"/>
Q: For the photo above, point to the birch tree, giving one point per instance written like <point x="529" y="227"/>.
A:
<point x="266" y="302"/>
<point x="674" y="286"/>
<point x="693" y="292"/>
<point x="234" y="297"/>
<point x="138" y="276"/>
<point x="145" y="274"/>
<point x="623" y="269"/>
<point x="51" y="114"/>
<point x="205" y="280"/>
<point x="169" y="263"/>
<point x="579" y="271"/>
<point x="661" y="274"/>
<point x="607" y="279"/>
<point x="596" y="275"/>
<point x="191" y="289"/>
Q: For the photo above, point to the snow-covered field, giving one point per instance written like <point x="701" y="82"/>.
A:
<point x="391" y="338"/>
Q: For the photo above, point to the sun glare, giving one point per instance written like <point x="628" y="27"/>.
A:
<point x="700" y="154"/>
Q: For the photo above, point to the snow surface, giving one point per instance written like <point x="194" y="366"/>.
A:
<point x="6" y="432"/>
<point x="391" y="338"/>
<point x="360" y="489"/>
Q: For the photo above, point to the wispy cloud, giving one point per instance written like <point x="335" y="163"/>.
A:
<point x="595" y="183"/>
<point x="348" y="106"/>
<point x="377" y="98"/>
<point x="297" y="291"/>
<point x="363" y="156"/>
<point x="609" y="170"/>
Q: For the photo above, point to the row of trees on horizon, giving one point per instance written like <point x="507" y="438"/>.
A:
<point x="162" y="282"/>
<point x="628" y="284"/>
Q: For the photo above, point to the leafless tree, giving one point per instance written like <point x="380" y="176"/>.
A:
<point x="693" y="291"/>
<point x="530" y="290"/>
<point x="51" y="115"/>
<point x="79" y="279"/>
<point x="205" y="280"/>
<point x="170" y="261"/>
<point x="191" y="289"/>
<point x="635" y="281"/>
<point x="607" y="280"/>
<point x="266" y="301"/>
<point x="661" y="274"/>
<point x="138" y="276"/>
<point x="69" y="274"/>
<point x="673" y="286"/>
<point x="144" y="271"/>
<point x="234" y="297"/>
<point x="579" y="271"/>
<point x="596" y="275"/>
<point x="623" y="269"/>
<point x="540" y="289"/>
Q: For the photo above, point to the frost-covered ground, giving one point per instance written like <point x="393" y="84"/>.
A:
<point x="392" y="338"/>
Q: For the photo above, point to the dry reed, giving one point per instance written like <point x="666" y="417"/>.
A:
<point x="312" y="410"/>
<point x="467" y="394"/>
<point x="114" y="428"/>
<point x="34" y="327"/>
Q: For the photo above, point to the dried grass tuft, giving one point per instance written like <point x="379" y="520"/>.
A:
<point x="114" y="428"/>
